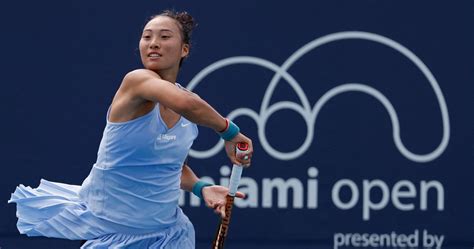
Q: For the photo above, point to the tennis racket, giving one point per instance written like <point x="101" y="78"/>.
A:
<point x="223" y="227"/>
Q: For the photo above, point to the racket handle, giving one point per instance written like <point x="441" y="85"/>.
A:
<point x="236" y="174"/>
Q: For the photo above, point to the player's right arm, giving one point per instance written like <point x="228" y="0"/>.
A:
<point x="148" y="86"/>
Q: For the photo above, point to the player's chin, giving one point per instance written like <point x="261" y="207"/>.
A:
<point x="152" y="66"/>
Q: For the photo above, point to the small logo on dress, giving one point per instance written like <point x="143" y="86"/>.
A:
<point x="166" y="137"/>
<point x="185" y="124"/>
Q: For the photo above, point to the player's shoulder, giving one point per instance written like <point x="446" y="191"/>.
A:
<point x="139" y="75"/>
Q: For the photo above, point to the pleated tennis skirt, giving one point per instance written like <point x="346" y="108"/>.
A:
<point x="55" y="210"/>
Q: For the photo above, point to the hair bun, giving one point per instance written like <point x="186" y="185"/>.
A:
<point x="185" y="20"/>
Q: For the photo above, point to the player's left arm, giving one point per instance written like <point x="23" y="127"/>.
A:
<point x="214" y="196"/>
<point x="188" y="178"/>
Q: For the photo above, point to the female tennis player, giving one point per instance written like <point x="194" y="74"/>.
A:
<point x="130" y="198"/>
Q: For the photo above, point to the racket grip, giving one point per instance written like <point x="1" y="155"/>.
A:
<point x="236" y="174"/>
<point x="235" y="179"/>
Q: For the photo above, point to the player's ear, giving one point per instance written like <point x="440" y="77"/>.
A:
<point x="185" y="50"/>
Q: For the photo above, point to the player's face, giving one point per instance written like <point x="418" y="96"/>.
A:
<point x="161" y="45"/>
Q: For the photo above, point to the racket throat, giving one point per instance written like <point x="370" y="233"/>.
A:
<point x="223" y="228"/>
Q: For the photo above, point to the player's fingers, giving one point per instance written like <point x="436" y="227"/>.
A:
<point x="234" y="160"/>
<point x="244" y="159"/>
<point x="216" y="204"/>
<point x="239" y="194"/>
<point x="211" y="204"/>
<point x="222" y="211"/>
<point x="219" y="203"/>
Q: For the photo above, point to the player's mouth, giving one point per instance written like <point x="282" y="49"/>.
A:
<point x="154" y="55"/>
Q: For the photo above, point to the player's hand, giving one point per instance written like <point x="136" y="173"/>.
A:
<point x="215" y="198"/>
<point x="230" y="150"/>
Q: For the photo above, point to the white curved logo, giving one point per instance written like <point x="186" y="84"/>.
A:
<point x="310" y="115"/>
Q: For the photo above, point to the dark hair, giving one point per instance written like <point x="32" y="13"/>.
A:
<point x="186" y="24"/>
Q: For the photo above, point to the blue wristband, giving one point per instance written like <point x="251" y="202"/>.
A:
<point x="198" y="186"/>
<point x="231" y="132"/>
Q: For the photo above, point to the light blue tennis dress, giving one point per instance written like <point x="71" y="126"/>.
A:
<point x="129" y="199"/>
